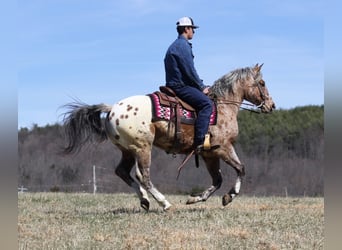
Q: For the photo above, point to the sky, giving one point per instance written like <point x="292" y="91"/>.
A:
<point x="104" y="51"/>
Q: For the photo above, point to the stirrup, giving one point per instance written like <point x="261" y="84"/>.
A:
<point x="201" y="148"/>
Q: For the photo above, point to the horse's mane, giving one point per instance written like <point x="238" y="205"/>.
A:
<point x="226" y="83"/>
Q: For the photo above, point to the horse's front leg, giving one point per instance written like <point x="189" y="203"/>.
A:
<point x="213" y="166"/>
<point x="232" y="159"/>
<point x="143" y="175"/>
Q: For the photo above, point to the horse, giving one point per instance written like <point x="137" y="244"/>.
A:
<point x="129" y="125"/>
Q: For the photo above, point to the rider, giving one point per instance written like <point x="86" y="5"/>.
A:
<point x="182" y="78"/>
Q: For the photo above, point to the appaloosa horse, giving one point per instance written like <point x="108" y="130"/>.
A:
<point x="130" y="126"/>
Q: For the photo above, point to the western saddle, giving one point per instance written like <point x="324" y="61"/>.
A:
<point x="169" y="98"/>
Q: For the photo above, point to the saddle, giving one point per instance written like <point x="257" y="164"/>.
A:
<point x="168" y="96"/>
<point x="167" y="106"/>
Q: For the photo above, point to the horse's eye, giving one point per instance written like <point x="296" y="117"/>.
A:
<point x="262" y="82"/>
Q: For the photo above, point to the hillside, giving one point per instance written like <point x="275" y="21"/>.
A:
<point x="283" y="153"/>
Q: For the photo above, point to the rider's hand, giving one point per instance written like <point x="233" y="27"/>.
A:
<point x="206" y="90"/>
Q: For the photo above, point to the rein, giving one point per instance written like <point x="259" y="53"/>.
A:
<point x="258" y="84"/>
<point x="243" y="103"/>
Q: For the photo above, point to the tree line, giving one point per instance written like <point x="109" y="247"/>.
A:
<point x="283" y="154"/>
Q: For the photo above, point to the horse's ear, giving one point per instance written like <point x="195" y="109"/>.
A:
<point x="257" y="68"/>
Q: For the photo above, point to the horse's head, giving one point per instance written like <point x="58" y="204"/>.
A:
<point x="244" y="84"/>
<point x="256" y="91"/>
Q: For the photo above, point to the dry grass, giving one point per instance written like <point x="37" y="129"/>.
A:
<point x="115" y="221"/>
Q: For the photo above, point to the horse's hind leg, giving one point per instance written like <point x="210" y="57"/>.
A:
<point x="143" y="175"/>
<point x="123" y="171"/>
<point x="213" y="166"/>
<point x="232" y="159"/>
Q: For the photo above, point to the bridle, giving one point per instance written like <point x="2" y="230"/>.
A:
<point x="263" y="96"/>
<point x="250" y="106"/>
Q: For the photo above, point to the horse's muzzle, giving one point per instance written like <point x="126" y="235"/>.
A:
<point x="268" y="106"/>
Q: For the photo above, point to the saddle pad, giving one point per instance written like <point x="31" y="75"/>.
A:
<point x="162" y="112"/>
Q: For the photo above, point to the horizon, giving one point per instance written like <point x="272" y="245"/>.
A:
<point x="34" y="125"/>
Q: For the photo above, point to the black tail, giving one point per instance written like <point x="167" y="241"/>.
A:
<point x="82" y="124"/>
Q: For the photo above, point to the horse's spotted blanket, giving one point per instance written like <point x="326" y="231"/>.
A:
<point x="161" y="112"/>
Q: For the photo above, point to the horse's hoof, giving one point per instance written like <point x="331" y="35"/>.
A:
<point x="192" y="200"/>
<point x="226" y="199"/>
<point x="167" y="208"/>
<point x="145" y="204"/>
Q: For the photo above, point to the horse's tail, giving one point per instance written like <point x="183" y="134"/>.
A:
<point x="82" y="124"/>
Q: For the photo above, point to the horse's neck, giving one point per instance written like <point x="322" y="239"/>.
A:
<point x="230" y="100"/>
<point x="233" y="101"/>
<point x="228" y="109"/>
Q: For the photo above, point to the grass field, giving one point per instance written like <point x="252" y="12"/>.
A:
<point x="115" y="221"/>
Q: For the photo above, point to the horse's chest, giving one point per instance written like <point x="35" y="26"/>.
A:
<point x="226" y="127"/>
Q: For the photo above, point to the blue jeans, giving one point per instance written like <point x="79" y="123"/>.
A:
<point x="203" y="106"/>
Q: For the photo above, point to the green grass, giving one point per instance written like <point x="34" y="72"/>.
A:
<point x="115" y="221"/>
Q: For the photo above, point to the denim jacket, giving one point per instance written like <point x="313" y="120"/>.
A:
<point x="179" y="65"/>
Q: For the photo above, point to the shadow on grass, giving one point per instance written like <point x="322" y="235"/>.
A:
<point x="123" y="210"/>
<point x="119" y="211"/>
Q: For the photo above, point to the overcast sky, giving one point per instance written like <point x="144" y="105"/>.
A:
<point x="104" y="51"/>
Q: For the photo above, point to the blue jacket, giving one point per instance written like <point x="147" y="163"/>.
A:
<point x="179" y="65"/>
